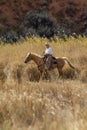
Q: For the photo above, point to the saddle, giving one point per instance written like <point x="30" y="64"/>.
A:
<point x="53" y="61"/>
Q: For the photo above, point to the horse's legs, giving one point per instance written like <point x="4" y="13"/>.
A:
<point x="44" y="75"/>
<point x="41" y="74"/>
<point x="60" y="72"/>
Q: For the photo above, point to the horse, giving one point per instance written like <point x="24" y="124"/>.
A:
<point x="44" y="67"/>
<point x="38" y="60"/>
<point x="58" y="63"/>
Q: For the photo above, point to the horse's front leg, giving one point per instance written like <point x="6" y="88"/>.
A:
<point x="42" y="73"/>
<point x="45" y="75"/>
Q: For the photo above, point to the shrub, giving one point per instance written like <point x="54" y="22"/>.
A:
<point x="40" y="22"/>
<point x="10" y="36"/>
<point x="2" y="74"/>
<point x="83" y="75"/>
<point x="33" y="74"/>
<point x="69" y="74"/>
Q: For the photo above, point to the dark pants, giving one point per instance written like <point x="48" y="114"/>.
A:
<point x="45" y="57"/>
<point x="49" y="60"/>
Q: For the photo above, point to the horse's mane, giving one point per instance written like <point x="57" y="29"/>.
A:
<point x="37" y="55"/>
<point x="61" y="57"/>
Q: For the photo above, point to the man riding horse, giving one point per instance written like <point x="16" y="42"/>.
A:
<point x="48" y="56"/>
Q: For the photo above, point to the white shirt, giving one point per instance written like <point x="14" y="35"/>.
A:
<point x="49" y="51"/>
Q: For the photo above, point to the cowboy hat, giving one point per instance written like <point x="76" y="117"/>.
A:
<point x="47" y="44"/>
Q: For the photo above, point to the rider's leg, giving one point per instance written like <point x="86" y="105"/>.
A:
<point x="49" y="62"/>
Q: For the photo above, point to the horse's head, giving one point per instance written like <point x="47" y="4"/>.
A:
<point x="27" y="58"/>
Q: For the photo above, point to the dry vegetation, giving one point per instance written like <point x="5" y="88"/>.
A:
<point x="26" y="104"/>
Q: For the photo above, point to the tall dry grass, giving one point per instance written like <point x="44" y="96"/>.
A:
<point x="29" y="104"/>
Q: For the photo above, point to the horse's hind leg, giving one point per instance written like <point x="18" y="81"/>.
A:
<point x="60" y="72"/>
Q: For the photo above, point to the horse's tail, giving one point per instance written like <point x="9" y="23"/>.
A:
<point x="70" y="64"/>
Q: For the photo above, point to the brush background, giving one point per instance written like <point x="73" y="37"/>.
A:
<point x="27" y="103"/>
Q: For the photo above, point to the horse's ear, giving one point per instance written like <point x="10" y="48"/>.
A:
<point x="29" y="53"/>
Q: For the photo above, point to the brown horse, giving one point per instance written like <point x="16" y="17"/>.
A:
<point x="37" y="59"/>
<point x="60" y="62"/>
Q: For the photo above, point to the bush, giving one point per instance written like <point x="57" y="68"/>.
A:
<point x="2" y="74"/>
<point x="10" y="36"/>
<point x="33" y="74"/>
<point x="83" y="75"/>
<point x="84" y="22"/>
<point x="40" y="22"/>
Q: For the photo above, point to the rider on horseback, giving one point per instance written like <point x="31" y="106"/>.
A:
<point x="48" y="55"/>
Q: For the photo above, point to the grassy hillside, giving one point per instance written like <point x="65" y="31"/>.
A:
<point x="69" y="13"/>
<point x="30" y="105"/>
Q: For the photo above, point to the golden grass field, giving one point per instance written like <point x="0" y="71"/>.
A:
<point x="29" y="104"/>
